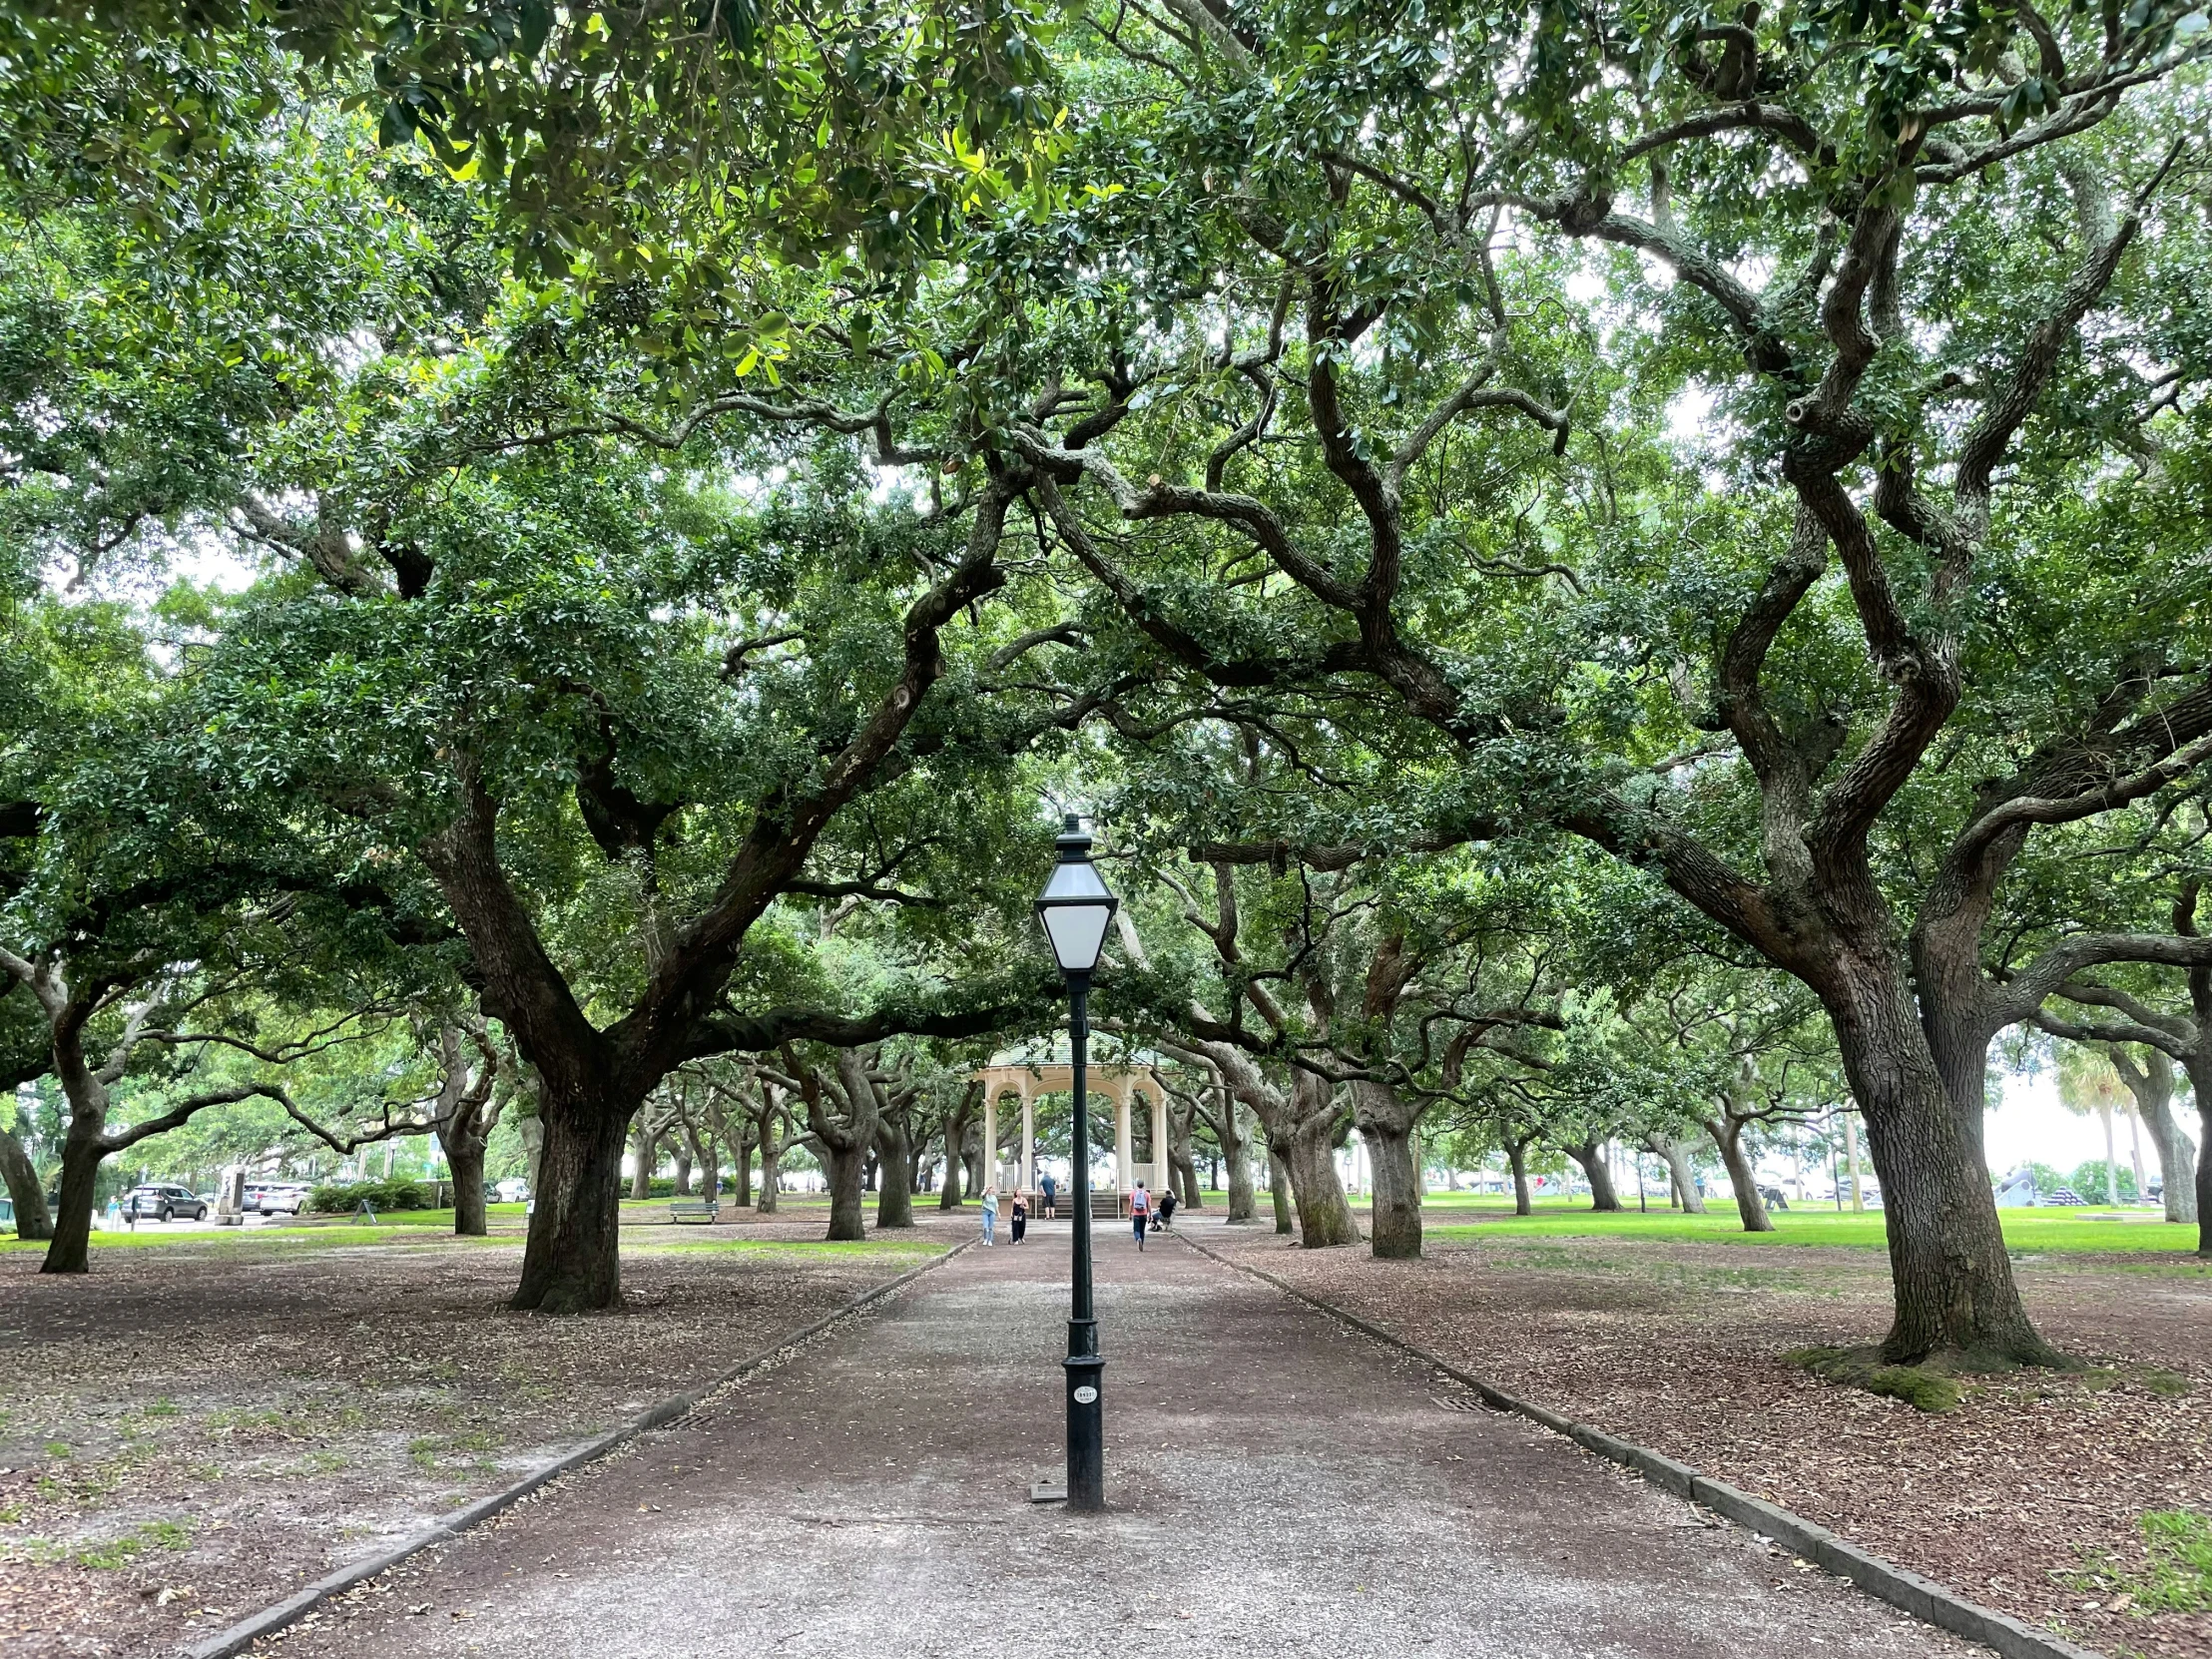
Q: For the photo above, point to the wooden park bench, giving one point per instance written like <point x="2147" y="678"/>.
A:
<point x="704" y="1211"/>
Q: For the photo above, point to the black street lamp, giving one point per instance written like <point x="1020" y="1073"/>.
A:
<point x="1075" y="908"/>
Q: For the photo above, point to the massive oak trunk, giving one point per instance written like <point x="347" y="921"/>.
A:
<point x="1387" y="1125"/>
<point x="1591" y="1156"/>
<point x="771" y="1176"/>
<point x="572" y="1263"/>
<point x="1182" y="1167"/>
<point x="641" y="1173"/>
<point x="1953" y="1288"/>
<point x="683" y="1171"/>
<point x="464" y="1156"/>
<point x="848" y="1172"/>
<point x="955" y="1164"/>
<point x="1279" y="1188"/>
<point x="1516" y="1153"/>
<point x="1728" y="1136"/>
<point x="847" y="1141"/>
<point x="895" y="1194"/>
<point x="2152" y="1085"/>
<point x="1236" y="1147"/>
<point x="2199" y="1067"/>
<point x="1677" y="1154"/>
<point x="32" y="1218"/>
<point x="70" y="1247"/>
<point x="1324" y="1215"/>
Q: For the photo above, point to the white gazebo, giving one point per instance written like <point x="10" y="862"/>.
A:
<point x="1033" y="1078"/>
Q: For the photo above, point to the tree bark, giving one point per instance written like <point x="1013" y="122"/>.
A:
<point x="1279" y="1188"/>
<point x="847" y="1143"/>
<point x="572" y="1262"/>
<point x="32" y="1219"/>
<point x="1677" y="1154"/>
<point x="956" y="1121"/>
<point x="468" y="1110"/>
<point x="1591" y="1156"/>
<point x="641" y="1175"/>
<point x="771" y="1176"/>
<point x="1728" y="1136"/>
<point x="1182" y="1166"/>
<point x="1516" y="1153"/>
<point x="1953" y="1287"/>
<point x="848" y="1174"/>
<point x="971" y="1156"/>
<point x="1387" y="1125"/>
<point x="69" y="1248"/>
<point x="894" y="1193"/>
<point x="2152" y="1087"/>
<point x="683" y="1170"/>
<point x="1243" y="1201"/>
<point x="466" y="1158"/>
<point x="1324" y="1214"/>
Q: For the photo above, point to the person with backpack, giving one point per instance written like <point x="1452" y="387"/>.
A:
<point x="1167" y="1208"/>
<point x="1140" y="1212"/>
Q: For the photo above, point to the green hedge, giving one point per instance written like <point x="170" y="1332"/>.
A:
<point x="339" y="1199"/>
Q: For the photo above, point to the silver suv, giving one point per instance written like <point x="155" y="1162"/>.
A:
<point x="163" y="1203"/>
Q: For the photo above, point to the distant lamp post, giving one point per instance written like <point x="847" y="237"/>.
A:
<point x="1075" y="908"/>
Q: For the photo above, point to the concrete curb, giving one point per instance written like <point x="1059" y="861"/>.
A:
<point x="241" y="1636"/>
<point x="1906" y="1591"/>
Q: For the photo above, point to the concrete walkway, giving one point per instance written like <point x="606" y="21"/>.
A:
<point x="1278" y="1486"/>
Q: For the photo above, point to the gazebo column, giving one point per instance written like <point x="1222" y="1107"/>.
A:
<point x="1124" y="1159"/>
<point x="1028" y="1138"/>
<point x="990" y="1138"/>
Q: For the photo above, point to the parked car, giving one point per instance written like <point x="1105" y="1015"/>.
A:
<point x="279" y="1198"/>
<point x="163" y="1203"/>
<point x="513" y="1189"/>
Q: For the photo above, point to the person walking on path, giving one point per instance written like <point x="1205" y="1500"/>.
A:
<point x="1051" y="1190"/>
<point x="1021" y="1214"/>
<point x="990" y="1215"/>
<point x="1167" y="1208"/>
<point x="1140" y="1212"/>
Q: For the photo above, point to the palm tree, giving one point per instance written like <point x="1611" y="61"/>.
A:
<point x="2088" y="1083"/>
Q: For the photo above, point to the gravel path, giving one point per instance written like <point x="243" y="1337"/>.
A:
<point x="197" y="1428"/>
<point x="1278" y="1485"/>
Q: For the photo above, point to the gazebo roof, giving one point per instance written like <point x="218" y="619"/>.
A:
<point x="1055" y="1052"/>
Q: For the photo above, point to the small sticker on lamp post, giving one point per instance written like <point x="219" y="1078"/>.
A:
<point x="1085" y="1395"/>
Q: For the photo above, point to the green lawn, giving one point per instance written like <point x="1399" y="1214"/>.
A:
<point x="2029" y="1231"/>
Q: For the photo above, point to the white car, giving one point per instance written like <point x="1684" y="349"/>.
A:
<point x="513" y="1189"/>
<point x="278" y="1198"/>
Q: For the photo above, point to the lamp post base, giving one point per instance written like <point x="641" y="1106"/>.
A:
<point x="1086" y="1487"/>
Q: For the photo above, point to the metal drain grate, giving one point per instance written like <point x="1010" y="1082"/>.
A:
<point x="1457" y="1403"/>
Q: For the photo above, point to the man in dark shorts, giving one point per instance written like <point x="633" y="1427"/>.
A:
<point x="1051" y="1193"/>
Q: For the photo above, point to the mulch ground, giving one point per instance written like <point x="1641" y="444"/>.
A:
<point x="195" y="1429"/>
<point x="2015" y="1499"/>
